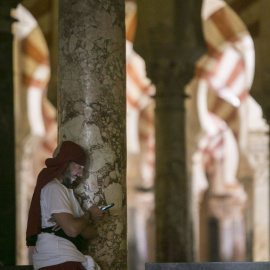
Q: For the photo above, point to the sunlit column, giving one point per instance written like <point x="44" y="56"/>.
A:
<point x="258" y="156"/>
<point x="91" y="112"/>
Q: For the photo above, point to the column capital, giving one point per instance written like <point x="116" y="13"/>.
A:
<point x="170" y="44"/>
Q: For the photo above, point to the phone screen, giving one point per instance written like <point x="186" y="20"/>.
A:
<point x="107" y="206"/>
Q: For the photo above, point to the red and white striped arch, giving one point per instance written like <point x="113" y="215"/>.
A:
<point x="225" y="76"/>
<point x="140" y="115"/>
<point x="228" y="69"/>
<point x="35" y="74"/>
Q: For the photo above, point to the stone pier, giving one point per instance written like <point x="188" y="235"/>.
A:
<point x="170" y="51"/>
<point x="91" y="112"/>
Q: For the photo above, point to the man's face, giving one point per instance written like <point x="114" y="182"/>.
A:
<point x="71" y="173"/>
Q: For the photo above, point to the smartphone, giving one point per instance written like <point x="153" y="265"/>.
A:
<point x="107" y="206"/>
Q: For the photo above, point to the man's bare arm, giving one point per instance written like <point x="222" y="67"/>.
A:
<point x="89" y="232"/>
<point x="72" y="226"/>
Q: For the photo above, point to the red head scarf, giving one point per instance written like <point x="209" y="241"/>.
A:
<point x="69" y="151"/>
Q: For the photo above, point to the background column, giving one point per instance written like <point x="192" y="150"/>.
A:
<point x="91" y="112"/>
<point x="7" y="138"/>
<point x="169" y="38"/>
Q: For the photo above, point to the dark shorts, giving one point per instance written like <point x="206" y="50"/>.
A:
<point x="65" y="266"/>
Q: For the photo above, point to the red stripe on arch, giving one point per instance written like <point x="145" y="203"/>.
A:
<point x="238" y="68"/>
<point x="243" y="95"/>
<point x="37" y="83"/>
<point x="32" y="51"/>
<point x="134" y="76"/>
<point x="132" y="102"/>
<point x="223" y="24"/>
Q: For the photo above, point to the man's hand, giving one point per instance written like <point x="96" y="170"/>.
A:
<point x="56" y="227"/>
<point x="97" y="213"/>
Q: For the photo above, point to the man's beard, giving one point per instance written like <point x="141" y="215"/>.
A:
<point x="69" y="184"/>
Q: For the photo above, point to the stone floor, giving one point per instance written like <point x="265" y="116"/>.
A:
<point x="209" y="266"/>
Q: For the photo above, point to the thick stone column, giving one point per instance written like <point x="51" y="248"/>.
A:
<point x="7" y="138"/>
<point x="169" y="37"/>
<point x="91" y="112"/>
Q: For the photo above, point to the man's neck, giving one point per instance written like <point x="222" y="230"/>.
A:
<point x="59" y="178"/>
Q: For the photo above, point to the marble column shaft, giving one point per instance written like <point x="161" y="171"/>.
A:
<point x="91" y="112"/>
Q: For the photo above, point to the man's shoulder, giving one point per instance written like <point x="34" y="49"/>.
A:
<point x="54" y="182"/>
<point x="54" y="190"/>
<point x="54" y="185"/>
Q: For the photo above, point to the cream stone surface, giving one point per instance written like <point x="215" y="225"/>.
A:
<point x="110" y="195"/>
<point x="92" y="113"/>
<point x="101" y="156"/>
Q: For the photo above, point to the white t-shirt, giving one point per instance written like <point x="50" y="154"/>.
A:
<point x="51" y="249"/>
<point x="56" y="198"/>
